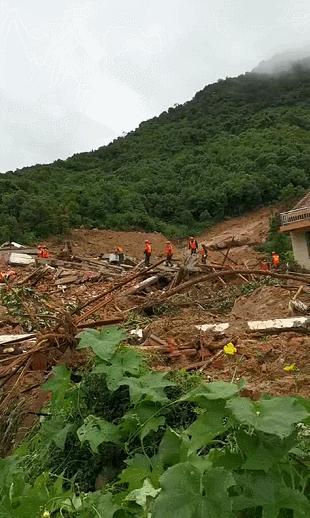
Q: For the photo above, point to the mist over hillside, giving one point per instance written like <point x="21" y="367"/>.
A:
<point x="285" y="61"/>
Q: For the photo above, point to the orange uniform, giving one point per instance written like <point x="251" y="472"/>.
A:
<point x="120" y="253"/>
<point x="168" y="249"/>
<point x="264" y="266"/>
<point x="147" y="252"/>
<point x="275" y="260"/>
<point x="192" y="245"/>
<point x="168" y="253"/>
<point x="43" y="252"/>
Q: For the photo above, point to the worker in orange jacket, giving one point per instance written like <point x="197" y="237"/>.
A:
<point x="275" y="260"/>
<point x="120" y="253"/>
<point x="168" y="253"/>
<point x="204" y="253"/>
<point x="43" y="252"/>
<point x="264" y="266"/>
<point x="147" y="252"/>
<point x="192" y="245"/>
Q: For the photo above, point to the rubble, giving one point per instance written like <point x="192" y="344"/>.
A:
<point x="279" y="324"/>
<point x="81" y="291"/>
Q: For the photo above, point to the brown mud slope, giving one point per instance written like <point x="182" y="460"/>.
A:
<point x="253" y="225"/>
<point x="95" y="242"/>
<point x="242" y="233"/>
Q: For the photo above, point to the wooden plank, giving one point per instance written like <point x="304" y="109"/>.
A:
<point x="8" y="339"/>
<point x="67" y="280"/>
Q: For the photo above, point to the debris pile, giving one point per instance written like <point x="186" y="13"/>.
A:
<point x="46" y="303"/>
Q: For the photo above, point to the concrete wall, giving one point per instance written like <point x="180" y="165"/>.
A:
<point x="300" y="248"/>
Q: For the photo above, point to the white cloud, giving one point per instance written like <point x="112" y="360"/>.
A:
<point x="76" y="73"/>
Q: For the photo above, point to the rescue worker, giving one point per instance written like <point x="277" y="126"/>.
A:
<point x="168" y="253"/>
<point x="120" y="253"/>
<point x="43" y="252"/>
<point x="275" y="260"/>
<point x="264" y="266"/>
<point x="192" y="245"/>
<point x="147" y="252"/>
<point x="204" y="253"/>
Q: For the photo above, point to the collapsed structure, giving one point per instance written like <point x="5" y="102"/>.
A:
<point x="297" y="223"/>
<point x="180" y="316"/>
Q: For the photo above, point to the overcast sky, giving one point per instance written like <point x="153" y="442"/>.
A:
<point x="74" y="74"/>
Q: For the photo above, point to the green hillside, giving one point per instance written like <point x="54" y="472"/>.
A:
<point x="237" y="144"/>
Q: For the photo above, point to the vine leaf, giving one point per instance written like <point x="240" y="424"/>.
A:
<point x="150" y="386"/>
<point x="56" y="430"/>
<point x="152" y="425"/>
<point x="102" y="342"/>
<point x="188" y="492"/>
<point x="125" y="361"/>
<point x="96" y="431"/>
<point x="102" y="503"/>
<point x="58" y="384"/>
<point x="276" y="416"/>
<point x="143" y="494"/>
<point x="208" y="425"/>
<point x="138" y="468"/>
<point x="173" y="448"/>
<point x="266" y="490"/>
<point x="211" y="391"/>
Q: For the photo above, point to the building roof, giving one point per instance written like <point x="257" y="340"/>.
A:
<point x="304" y="202"/>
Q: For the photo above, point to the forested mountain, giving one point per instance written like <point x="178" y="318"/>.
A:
<point x="237" y="144"/>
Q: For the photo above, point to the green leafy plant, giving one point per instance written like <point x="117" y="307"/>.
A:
<point x="114" y="446"/>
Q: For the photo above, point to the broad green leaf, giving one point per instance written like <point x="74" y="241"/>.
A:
<point x="208" y="425"/>
<point x="125" y="361"/>
<point x="187" y="492"/>
<point x="141" y="420"/>
<point x="58" y="383"/>
<point x="138" y="468"/>
<point x="276" y="416"/>
<point x="225" y="459"/>
<point x="96" y="431"/>
<point x="268" y="491"/>
<point x="150" y="386"/>
<point x="141" y="495"/>
<point x="211" y="391"/>
<point x="8" y="467"/>
<point x="29" y="500"/>
<point x="102" y="342"/>
<point x="100" y="505"/>
<point x="173" y="448"/>
<point x="262" y="451"/>
<point x="152" y="425"/>
<point x="55" y="430"/>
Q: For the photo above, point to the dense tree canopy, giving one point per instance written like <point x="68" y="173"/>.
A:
<point x="237" y="144"/>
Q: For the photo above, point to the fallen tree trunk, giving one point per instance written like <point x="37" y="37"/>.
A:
<point x="204" y="278"/>
<point x="110" y="290"/>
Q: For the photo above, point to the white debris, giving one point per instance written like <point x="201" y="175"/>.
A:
<point x="17" y="259"/>
<point x="137" y="332"/>
<point x="6" y="339"/>
<point x="279" y="324"/>
<point x="217" y="328"/>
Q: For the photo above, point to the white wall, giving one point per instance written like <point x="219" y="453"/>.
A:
<point x="300" y="248"/>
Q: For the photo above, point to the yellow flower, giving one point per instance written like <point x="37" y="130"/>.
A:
<point x="230" y="349"/>
<point x="290" y="368"/>
<point x="46" y="514"/>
